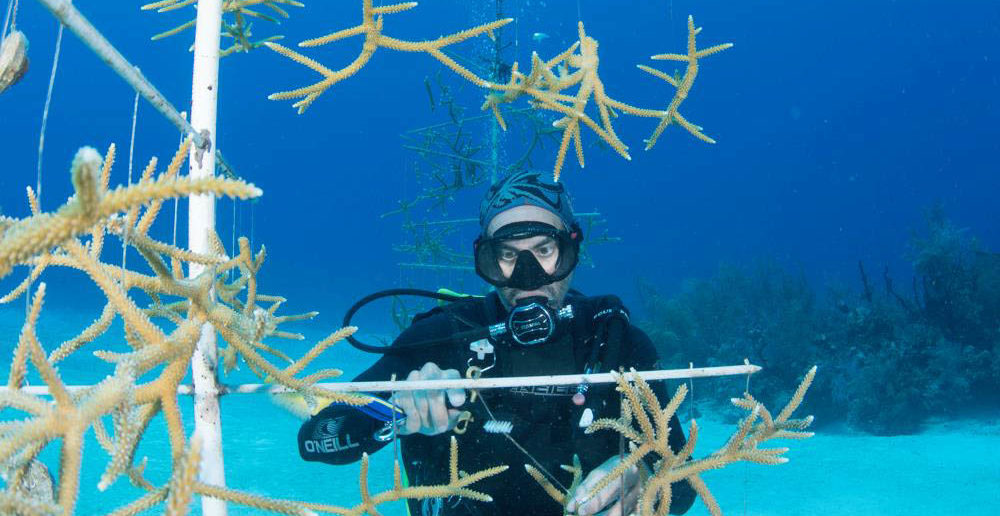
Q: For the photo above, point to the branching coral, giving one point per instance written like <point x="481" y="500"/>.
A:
<point x="547" y="79"/>
<point x="683" y="84"/>
<point x="161" y="339"/>
<point x="372" y="19"/>
<point x="644" y="423"/>
<point x="545" y="83"/>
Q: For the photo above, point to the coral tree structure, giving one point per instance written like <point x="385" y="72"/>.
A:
<point x="545" y="84"/>
<point x="159" y="344"/>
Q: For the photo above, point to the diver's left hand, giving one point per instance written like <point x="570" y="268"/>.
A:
<point x="610" y="493"/>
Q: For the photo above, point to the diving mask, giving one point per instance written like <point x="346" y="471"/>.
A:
<point x="513" y="257"/>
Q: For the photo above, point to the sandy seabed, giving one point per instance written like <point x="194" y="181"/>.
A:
<point x="951" y="467"/>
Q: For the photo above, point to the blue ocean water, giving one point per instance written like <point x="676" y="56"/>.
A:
<point x="838" y="126"/>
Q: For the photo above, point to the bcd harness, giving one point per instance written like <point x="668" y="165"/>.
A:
<point x="600" y="323"/>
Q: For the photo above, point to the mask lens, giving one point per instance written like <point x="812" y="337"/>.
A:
<point x="514" y="257"/>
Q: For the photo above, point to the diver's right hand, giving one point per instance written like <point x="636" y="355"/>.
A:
<point x="427" y="412"/>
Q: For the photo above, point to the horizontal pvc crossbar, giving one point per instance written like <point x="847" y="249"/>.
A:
<point x="464" y="383"/>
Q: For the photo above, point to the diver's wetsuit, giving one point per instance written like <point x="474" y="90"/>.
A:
<point x="545" y="420"/>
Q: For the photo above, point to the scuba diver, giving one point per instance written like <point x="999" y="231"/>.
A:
<point x="533" y="324"/>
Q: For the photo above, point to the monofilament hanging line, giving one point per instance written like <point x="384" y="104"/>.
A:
<point x="177" y="201"/>
<point x="232" y="246"/>
<point x="131" y="153"/>
<point x="68" y="15"/>
<point x="41" y="133"/>
<point x="552" y="478"/>
<point x="45" y="114"/>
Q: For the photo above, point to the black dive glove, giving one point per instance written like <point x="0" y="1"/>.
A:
<point x="340" y="433"/>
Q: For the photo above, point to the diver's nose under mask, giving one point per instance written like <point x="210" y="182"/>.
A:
<point x="528" y="273"/>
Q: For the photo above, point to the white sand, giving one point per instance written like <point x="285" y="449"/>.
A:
<point x="953" y="467"/>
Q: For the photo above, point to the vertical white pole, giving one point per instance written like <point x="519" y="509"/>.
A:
<point x="201" y="220"/>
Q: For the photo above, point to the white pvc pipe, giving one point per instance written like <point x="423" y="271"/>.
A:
<point x="480" y="383"/>
<point x="505" y="382"/>
<point x="68" y="15"/>
<point x="201" y="222"/>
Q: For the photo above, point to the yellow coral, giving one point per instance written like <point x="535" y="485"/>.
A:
<point x="147" y="378"/>
<point x="645" y="424"/>
<point x="372" y="20"/>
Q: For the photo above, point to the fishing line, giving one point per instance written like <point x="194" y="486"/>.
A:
<point x="41" y="134"/>
<point x="232" y="245"/>
<point x="517" y="34"/>
<point x="253" y="206"/>
<point x="671" y="14"/>
<point x="177" y="201"/>
<point x="45" y="114"/>
<point x="131" y="153"/>
<point x="525" y="452"/>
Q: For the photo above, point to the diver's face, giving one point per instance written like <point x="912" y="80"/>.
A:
<point x="543" y="248"/>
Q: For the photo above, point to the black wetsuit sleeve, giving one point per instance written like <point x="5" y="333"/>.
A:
<point x="644" y="357"/>
<point x="339" y="434"/>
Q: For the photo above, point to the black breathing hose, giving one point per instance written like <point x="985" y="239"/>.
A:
<point x="458" y="337"/>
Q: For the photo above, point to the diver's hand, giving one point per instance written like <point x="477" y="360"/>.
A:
<point x="427" y="412"/>
<point x="611" y="493"/>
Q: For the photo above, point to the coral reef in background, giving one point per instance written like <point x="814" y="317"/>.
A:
<point x="147" y="365"/>
<point x="575" y="67"/>
<point x="891" y="359"/>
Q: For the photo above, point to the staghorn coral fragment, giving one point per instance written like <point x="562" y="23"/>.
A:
<point x="142" y="504"/>
<point x="181" y="487"/>
<point x="36" y="234"/>
<point x="644" y="421"/>
<point x="683" y="84"/>
<point x="550" y="489"/>
<point x="320" y="347"/>
<point x="372" y="19"/>
<point x="457" y="485"/>
<point x="23" y="506"/>
<point x="254" y="501"/>
<point x="147" y="378"/>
